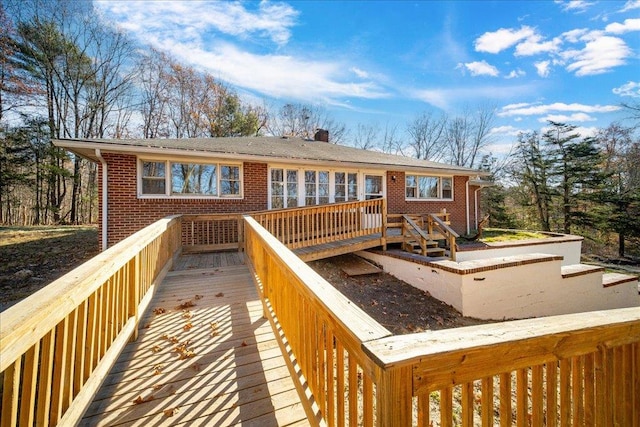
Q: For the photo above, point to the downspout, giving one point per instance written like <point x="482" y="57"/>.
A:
<point x="475" y="200"/>
<point x="467" y="200"/>
<point x="105" y="198"/>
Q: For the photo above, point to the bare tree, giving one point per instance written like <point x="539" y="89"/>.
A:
<point x="302" y="120"/>
<point x="467" y="135"/>
<point x="366" y="136"/>
<point x="390" y="141"/>
<point x="427" y="136"/>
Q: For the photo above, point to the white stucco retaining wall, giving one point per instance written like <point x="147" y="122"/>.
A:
<point x="535" y="287"/>
<point x="566" y="246"/>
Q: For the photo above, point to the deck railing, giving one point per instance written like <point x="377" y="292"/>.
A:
<point x="578" y="369"/>
<point x="436" y="224"/>
<point x="315" y="225"/>
<point x="58" y="344"/>
<point x="211" y="232"/>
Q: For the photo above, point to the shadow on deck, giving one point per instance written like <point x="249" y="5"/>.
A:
<point x="204" y="356"/>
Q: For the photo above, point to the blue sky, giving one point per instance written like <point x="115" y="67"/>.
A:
<point x="384" y="62"/>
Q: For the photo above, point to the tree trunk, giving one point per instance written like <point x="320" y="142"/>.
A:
<point x="621" y="245"/>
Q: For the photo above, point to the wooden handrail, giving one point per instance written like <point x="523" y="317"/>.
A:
<point x="323" y="329"/>
<point x="58" y="344"/>
<point x="415" y="231"/>
<point x="212" y="232"/>
<point x="315" y="225"/>
<point x="590" y="360"/>
<point x="450" y="235"/>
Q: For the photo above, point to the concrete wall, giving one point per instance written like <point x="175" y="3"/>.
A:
<point x="568" y="247"/>
<point x="513" y="287"/>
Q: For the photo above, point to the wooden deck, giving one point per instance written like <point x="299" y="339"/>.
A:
<point x="204" y="356"/>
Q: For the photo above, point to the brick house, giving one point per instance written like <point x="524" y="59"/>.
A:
<point x="143" y="180"/>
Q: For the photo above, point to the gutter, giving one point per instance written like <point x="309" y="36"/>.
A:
<point x="105" y="198"/>
<point x="467" y="205"/>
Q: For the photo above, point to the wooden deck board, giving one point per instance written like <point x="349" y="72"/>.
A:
<point x="214" y="363"/>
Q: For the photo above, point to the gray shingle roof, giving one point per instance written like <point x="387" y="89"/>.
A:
<point x="269" y="149"/>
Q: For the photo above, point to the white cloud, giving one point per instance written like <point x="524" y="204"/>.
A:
<point x="631" y="5"/>
<point x="505" y="131"/>
<point x="563" y="118"/>
<point x="497" y="41"/>
<point x="575" y="5"/>
<point x="480" y="68"/>
<point x="515" y="74"/>
<point x="280" y="75"/>
<point x="628" y="25"/>
<point x="574" y="36"/>
<point x="524" y="109"/>
<point x="631" y="89"/>
<point x="534" y="46"/>
<point x="360" y="73"/>
<point x="194" y="19"/>
<point x="598" y="56"/>
<point x="446" y="98"/>
<point x="542" y="68"/>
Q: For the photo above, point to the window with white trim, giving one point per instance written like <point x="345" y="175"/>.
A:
<point x="373" y="187"/>
<point x="284" y="188"/>
<point x="346" y="186"/>
<point x="421" y="187"/>
<point x="189" y="179"/>
<point x="316" y="187"/>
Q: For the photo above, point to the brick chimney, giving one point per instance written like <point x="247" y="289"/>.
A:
<point x="321" y="135"/>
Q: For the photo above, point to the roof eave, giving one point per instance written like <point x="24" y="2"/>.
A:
<point x="87" y="149"/>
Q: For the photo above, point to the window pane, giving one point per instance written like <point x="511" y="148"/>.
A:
<point x="292" y="189"/>
<point x="323" y="187"/>
<point x="153" y="169"/>
<point x="193" y="179"/>
<point x="353" y="186"/>
<point x="447" y="188"/>
<point x="230" y="180"/>
<point x="427" y="187"/>
<point x="153" y="186"/>
<point x="277" y="175"/>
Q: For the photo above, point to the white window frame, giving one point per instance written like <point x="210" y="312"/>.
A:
<point x="439" y="186"/>
<point x="168" y="194"/>
<point x="301" y="170"/>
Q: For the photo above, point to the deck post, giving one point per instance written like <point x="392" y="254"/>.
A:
<point x="134" y="292"/>
<point x="384" y="224"/>
<point x="394" y="399"/>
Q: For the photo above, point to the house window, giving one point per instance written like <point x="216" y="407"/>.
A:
<point x="346" y="186"/>
<point x="316" y="187"/>
<point x="284" y="188"/>
<point x="428" y="187"/>
<point x="153" y="178"/>
<point x="189" y="179"/>
<point x="373" y="187"/>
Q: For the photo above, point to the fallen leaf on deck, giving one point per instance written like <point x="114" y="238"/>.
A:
<point x="185" y="305"/>
<point x="159" y="310"/>
<point x="244" y="344"/>
<point x="138" y="400"/>
<point x="214" y="329"/>
<point x="199" y="297"/>
<point x="187" y="314"/>
<point x="171" y="412"/>
<point x="187" y="326"/>
<point x="156" y="348"/>
<point x="195" y="367"/>
<point x="157" y="370"/>
<point x="219" y="294"/>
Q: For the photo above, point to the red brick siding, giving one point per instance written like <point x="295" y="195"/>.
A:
<point x="397" y="204"/>
<point x="128" y="214"/>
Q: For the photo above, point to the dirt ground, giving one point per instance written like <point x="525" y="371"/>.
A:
<point x="396" y="305"/>
<point x="33" y="257"/>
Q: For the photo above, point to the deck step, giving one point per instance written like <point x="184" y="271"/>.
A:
<point x="574" y="270"/>
<point x="613" y="279"/>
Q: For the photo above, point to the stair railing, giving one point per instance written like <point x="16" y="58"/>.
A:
<point x="437" y="225"/>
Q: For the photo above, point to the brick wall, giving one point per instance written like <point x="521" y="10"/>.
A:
<point x="396" y="203"/>
<point x="128" y="214"/>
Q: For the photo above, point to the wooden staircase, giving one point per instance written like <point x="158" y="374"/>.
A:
<point x="416" y="240"/>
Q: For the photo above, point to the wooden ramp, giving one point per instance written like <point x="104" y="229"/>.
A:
<point x="204" y="356"/>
